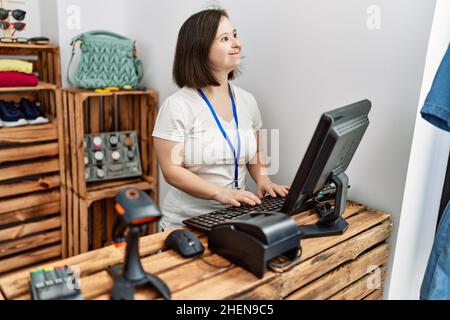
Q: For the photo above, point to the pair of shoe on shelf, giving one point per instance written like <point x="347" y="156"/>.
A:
<point x="25" y="112"/>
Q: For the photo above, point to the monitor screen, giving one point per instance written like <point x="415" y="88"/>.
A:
<point x="329" y="153"/>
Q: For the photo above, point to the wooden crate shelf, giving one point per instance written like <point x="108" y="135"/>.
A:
<point x="82" y="110"/>
<point x="32" y="199"/>
<point x="48" y="64"/>
<point x="28" y="225"/>
<point x="90" y="205"/>
<point x="41" y="86"/>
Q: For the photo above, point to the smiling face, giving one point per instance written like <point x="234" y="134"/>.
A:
<point x="225" y="52"/>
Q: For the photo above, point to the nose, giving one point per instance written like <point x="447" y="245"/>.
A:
<point x="236" y="43"/>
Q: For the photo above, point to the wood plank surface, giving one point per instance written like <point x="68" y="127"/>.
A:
<point x="32" y="200"/>
<point x="73" y="142"/>
<point x="33" y="212"/>
<point x="363" y="287"/>
<point x="25" y="229"/>
<point x="29" y="258"/>
<point x="30" y="185"/>
<point x="375" y="295"/>
<point x="27" y="243"/>
<point x="28" y="134"/>
<point x="29" y="169"/>
<point x="28" y="152"/>
<point x="110" y="189"/>
<point x="338" y="279"/>
<point x="67" y="143"/>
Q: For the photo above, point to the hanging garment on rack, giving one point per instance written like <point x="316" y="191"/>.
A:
<point x="436" y="108"/>
<point x="436" y="282"/>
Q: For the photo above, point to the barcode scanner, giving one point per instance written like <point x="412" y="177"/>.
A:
<point x="134" y="211"/>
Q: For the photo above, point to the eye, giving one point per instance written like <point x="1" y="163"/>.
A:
<point x="235" y="35"/>
<point x="225" y="39"/>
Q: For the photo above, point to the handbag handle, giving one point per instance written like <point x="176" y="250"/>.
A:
<point x="69" y="80"/>
<point x="99" y="33"/>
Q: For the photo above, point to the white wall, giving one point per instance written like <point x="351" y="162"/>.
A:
<point x="426" y="173"/>
<point x="49" y="22"/>
<point x="302" y="58"/>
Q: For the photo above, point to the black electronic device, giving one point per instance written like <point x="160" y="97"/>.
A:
<point x="54" y="283"/>
<point x="185" y="242"/>
<point x="335" y="140"/>
<point x="208" y="220"/>
<point x="134" y="210"/>
<point x="111" y="155"/>
<point x="252" y="240"/>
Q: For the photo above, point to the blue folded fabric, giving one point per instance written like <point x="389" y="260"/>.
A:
<point x="436" y="282"/>
<point x="436" y="108"/>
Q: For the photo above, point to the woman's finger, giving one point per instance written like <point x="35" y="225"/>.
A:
<point x="280" y="191"/>
<point x="270" y="190"/>
<point x="252" y="196"/>
<point x="247" y="200"/>
<point x="235" y="203"/>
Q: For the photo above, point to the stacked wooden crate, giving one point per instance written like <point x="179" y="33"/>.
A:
<point x="90" y="205"/>
<point x="32" y="207"/>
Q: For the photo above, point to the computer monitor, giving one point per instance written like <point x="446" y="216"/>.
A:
<point x="329" y="153"/>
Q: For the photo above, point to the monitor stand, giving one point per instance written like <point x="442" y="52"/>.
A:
<point x="330" y="222"/>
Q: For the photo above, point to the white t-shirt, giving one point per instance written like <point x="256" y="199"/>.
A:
<point x="185" y="117"/>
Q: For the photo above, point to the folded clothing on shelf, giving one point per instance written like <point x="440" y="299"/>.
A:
<point x="16" y="65"/>
<point x="17" y="79"/>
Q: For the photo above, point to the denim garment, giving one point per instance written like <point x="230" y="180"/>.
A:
<point x="436" y="108"/>
<point x="436" y="282"/>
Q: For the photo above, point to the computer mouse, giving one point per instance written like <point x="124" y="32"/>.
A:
<point x="184" y="242"/>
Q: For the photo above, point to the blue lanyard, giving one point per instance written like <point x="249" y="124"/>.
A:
<point x="236" y="155"/>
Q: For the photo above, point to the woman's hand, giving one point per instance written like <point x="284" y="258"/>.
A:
<point x="235" y="197"/>
<point x="271" y="188"/>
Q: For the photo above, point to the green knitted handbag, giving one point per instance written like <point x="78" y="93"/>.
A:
<point x="107" y="60"/>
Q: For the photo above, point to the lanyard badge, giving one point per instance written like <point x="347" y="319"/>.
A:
<point x="235" y="154"/>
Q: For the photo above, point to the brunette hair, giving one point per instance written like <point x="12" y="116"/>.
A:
<point x="191" y="63"/>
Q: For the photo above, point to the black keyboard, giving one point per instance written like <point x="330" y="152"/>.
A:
<point x="208" y="220"/>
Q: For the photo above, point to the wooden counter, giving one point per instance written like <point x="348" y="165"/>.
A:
<point x="348" y="266"/>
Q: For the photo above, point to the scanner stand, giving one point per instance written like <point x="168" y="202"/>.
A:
<point x="131" y="275"/>
<point x="330" y="222"/>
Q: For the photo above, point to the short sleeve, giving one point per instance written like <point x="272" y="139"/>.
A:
<point x="257" y="121"/>
<point x="170" y="122"/>
<point x="436" y="108"/>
